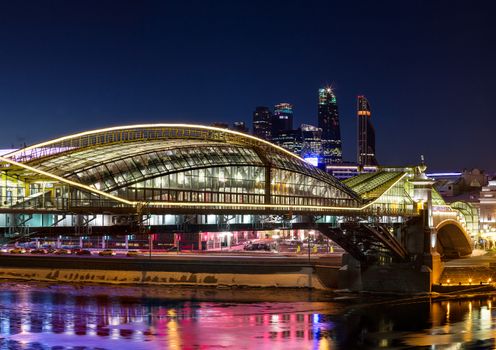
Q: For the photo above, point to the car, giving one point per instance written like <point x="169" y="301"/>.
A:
<point x="39" y="251"/>
<point x="256" y="246"/>
<point x="106" y="252"/>
<point x="62" y="251"/>
<point x="18" y="251"/>
<point x="83" y="252"/>
<point x="133" y="253"/>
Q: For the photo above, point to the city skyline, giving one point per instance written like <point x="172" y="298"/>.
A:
<point x="427" y="69"/>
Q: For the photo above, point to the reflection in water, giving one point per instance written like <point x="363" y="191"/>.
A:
<point x="419" y="323"/>
<point x="35" y="316"/>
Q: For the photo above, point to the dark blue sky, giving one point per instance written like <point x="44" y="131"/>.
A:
<point x="428" y="69"/>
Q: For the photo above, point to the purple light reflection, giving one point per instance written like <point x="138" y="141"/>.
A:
<point x="52" y="319"/>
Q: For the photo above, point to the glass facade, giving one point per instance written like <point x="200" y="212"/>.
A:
<point x="135" y="168"/>
<point x="226" y="184"/>
<point x="164" y="167"/>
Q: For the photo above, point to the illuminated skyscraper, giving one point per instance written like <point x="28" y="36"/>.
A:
<point x="366" y="134"/>
<point x="262" y="123"/>
<point x="311" y="144"/>
<point x="282" y="120"/>
<point x="329" y="123"/>
<point x="288" y="139"/>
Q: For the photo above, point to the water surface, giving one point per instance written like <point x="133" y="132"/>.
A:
<point x="57" y="317"/>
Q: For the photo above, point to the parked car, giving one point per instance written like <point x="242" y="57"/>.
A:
<point x="39" y="251"/>
<point x="18" y="251"/>
<point x="259" y="246"/>
<point x="62" y="251"/>
<point x="133" y="253"/>
<point x="83" y="252"/>
<point x="106" y="252"/>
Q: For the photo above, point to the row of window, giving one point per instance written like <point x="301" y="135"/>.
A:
<point x="118" y="173"/>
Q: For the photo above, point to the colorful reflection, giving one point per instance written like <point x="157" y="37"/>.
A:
<point x="34" y="319"/>
<point x="61" y="317"/>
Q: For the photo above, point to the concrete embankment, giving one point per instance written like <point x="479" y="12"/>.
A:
<point x="205" y="271"/>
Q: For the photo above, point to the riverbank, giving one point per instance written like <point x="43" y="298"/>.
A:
<point x="214" y="271"/>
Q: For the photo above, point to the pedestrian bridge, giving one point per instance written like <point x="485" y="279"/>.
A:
<point x="169" y="174"/>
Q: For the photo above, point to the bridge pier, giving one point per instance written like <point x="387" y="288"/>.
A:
<point x="388" y="278"/>
<point x="416" y="273"/>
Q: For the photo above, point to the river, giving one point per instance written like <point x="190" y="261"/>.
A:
<point x="64" y="316"/>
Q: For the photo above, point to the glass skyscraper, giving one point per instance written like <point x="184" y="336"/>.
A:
<point x="262" y="123"/>
<point x="282" y="120"/>
<point x="366" y="134"/>
<point x="328" y="120"/>
<point x="311" y="144"/>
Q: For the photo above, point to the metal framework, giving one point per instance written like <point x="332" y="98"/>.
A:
<point x="169" y="167"/>
<point x="174" y="168"/>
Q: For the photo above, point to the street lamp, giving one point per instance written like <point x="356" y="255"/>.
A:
<point x="310" y="233"/>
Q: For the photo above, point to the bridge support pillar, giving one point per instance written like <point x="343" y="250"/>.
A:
<point x="414" y="275"/>
<point x="350" y="274"/>
<point x="388" y="278"/>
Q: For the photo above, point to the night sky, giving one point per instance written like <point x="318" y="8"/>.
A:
<point x="428" y="69"/>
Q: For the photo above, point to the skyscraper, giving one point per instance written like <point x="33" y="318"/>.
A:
<point x="240" y="126"/>
<point x="262" y="123"/>
<point x="366" y="134"/>
<point x="328" y="119"/>
<point x="282" y="120"/>
<point x="311" y="143"/>
<point x="289" y="139"/>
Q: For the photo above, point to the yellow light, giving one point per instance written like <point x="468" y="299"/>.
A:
<point x="144" y="126"/>
<point x="69" y="182"/>
<point x="190" y="204"/>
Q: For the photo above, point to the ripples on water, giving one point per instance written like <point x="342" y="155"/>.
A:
<point x="59" y="317"/>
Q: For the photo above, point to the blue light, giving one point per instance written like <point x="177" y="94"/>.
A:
<point x="443" y="174"/>
<point x="312" y="159"/>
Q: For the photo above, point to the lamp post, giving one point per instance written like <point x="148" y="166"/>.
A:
<point x="149" y="245"/>
<point x="310" y="233"/>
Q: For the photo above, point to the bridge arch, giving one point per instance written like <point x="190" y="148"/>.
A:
<point x="453" y="239"/>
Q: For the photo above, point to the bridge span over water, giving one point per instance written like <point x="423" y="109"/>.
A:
<point x="165" y="178"/>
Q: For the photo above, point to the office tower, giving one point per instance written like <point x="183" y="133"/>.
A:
<point x="366" y="134"/>
<point x="262" y="123"/>
<point x="311" y="143"/>
<point x="282" y="120"/>
<point x="328" y="120"/>
<point x="289" y="139"/>
<point x="240" y="126"/>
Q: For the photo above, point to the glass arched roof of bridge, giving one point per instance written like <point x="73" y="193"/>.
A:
<point x="176" y="162"/>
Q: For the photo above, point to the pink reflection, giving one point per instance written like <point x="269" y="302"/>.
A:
<point x="122" y="323"/>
